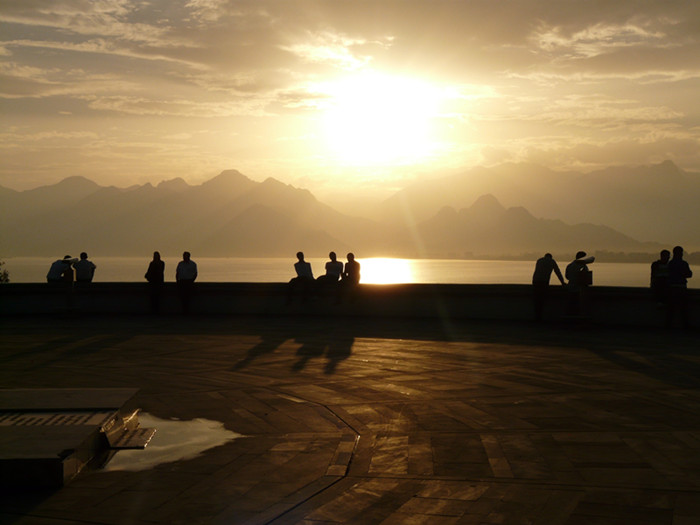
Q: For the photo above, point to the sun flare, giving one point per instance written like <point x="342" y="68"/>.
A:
<point x="381" y="270"/>
<point x="379" y="119"/>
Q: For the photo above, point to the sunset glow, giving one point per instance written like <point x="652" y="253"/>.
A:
<point x="331" y="95"/>
<point x="380" y="270"/>
<point x="351" y="101"/>
<point x="380" y="119"/>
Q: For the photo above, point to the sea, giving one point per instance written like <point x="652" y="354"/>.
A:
<point x="374" y="270"/>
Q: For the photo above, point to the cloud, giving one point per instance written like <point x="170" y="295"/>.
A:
<point x="21" y="81"/>
<point x="331" y="49"/>
<point x="599" y="111"/>
<point x="174" y="107"/>
<point x="588" y="76"/>
<point x="45" y="136"/>
<point x="82" y="17"/>
<point x="651" y="147"/>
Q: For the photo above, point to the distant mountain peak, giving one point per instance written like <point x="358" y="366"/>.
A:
<point x="487" y="204"/>
<point x="76" y="181"/>
<point x="667" y="168"/>
<point x="232" y="173"/>
<point x="228" y="182"/>
<point x="177" y="184"/>
<point x="446" y="212"/>
<point x="227" y="177"/>
<point x="518" y="213"/>
<point x="271" y="181"/>
<point x="72" y="187"/>
<point x="274" y="187"/>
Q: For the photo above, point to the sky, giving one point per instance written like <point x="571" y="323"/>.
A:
<point x="342" y="96"/>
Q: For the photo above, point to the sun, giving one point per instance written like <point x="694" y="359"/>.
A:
<point x="383" y="270"/>
<point x="373" y="118"/>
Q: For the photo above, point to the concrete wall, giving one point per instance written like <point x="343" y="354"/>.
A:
<point x="607" y="305"/>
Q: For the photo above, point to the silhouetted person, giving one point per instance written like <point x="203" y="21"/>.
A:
<point x="540" y="282"/>
<point x="155" y="275"/>
<point x="185" y="275"/>
<point x="678" y="274"/>
<point x="333" y="270"/>
<point x="61" y="271"/>
<point x="351" y="273"/>
<point x="84" y="269"/>
<point x="303" y="268"/>
<point x="659" y="278"/>
<point x="304" y="279"/>
<point x="580" y="278"/>
<point x="350" y="276"/>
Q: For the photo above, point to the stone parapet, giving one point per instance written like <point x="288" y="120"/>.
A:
<point x="603" y="305"/>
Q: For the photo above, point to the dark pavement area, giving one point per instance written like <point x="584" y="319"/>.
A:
<point x="392" y="421"/>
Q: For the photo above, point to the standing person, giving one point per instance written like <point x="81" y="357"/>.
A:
<point x="333" y="270"/>
<point x="580" y="278"/>
<point x="540" y="282"/>
<point x="659" y="278"/>
<point x="185" y="275"/>
<point x="678" y="274"/>
<point x="84" y="269"/>
<point x="61" y="271"/>
<point x="155" y="275"/>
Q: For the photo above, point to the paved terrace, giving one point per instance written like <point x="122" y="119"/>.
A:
<point x="380" y="420"/>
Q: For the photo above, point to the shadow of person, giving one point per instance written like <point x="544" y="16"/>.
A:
<point x="268" y="344"/>
<point x="669" y="366"/>
<point x="311" y="346"/>
<point x="339" y="349"/>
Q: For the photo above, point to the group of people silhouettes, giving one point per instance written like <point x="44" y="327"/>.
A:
<point x="336" y="273"/>
<point x="577" y="274"/>
<point x="669" y="283"/>
<point x="185" y="276"/>
<point x="669" y="280"/>
<point x="70" y="269"/>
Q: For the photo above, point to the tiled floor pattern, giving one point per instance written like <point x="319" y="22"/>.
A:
<point x="404" y="423"/>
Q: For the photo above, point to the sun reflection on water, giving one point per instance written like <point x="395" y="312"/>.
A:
<point x="385" y="270"/>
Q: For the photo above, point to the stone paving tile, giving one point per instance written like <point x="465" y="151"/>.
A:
<point x="354" y="421"/>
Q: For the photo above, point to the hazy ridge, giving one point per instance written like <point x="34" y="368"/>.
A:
<point x="495" y="212"/>
<point x="650" y="203"/>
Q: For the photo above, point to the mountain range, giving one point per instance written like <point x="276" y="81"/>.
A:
<point x="658" y="202"/>
<point x="458" y="216"/>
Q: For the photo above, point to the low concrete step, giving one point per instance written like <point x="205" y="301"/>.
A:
<point x="47" y="436"/>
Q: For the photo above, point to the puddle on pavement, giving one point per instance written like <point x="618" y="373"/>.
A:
<point x="174" y="440"/>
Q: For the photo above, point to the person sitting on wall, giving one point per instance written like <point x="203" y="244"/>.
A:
<point x="350" y="278"/>
<point x="334" y="268"/>
<point x="351" y="273"/>
<point x="61" y="271"/>
<point x="304" y="278"/>
<point x="84" y="269"/>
